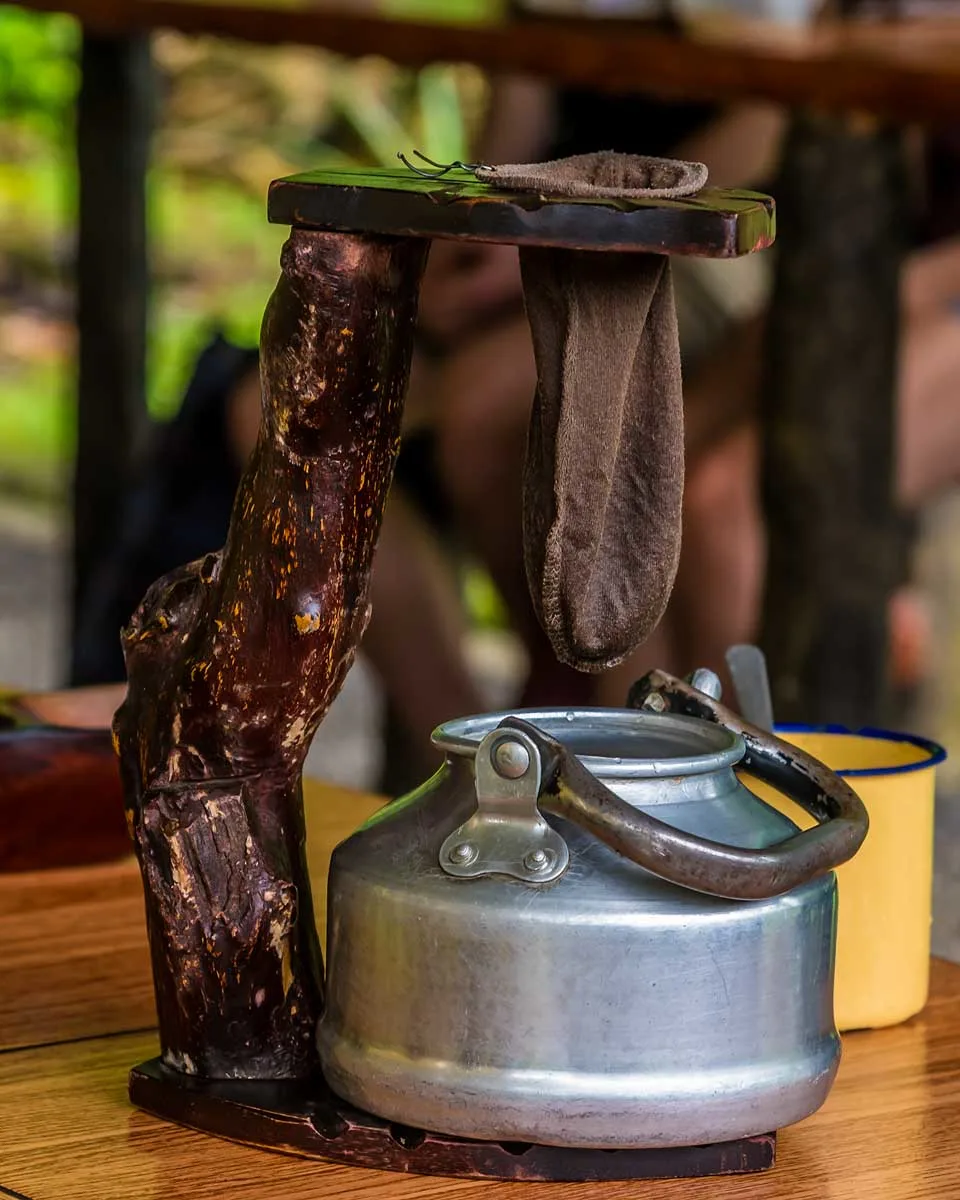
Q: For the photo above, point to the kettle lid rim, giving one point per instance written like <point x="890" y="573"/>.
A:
<point x="632" y="744"/>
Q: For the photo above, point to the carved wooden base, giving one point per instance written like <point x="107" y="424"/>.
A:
<point x="304" y="1117"/>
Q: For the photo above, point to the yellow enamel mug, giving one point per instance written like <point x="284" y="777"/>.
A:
<point x="885" y="891"/>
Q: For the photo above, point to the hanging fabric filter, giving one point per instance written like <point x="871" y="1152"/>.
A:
<point x="603" y="477"/>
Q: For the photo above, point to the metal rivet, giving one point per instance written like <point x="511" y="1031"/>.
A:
<point x="655" y="703"/>
<point x="463" y="853"/>
<point x="511" y="759"/>
<point x="538" y="860"/>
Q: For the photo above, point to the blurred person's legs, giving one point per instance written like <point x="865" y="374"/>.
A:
<point x="415" y="639"/>
<point x="478" y="400"/>
<point x="929" y="411"/>
<point x="718" y="591"/>
<point x="716" y="597"/>
<point x="716" y="600"/>
<point x="481" y="406"/>
<point x="484" y="395"/>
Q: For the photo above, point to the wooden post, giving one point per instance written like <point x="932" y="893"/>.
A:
<point x="829" y="420"/>
<point x="114" y="122"/>
<point x="234" y="660"/>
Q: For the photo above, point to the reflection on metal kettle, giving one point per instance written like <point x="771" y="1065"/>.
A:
<point x="584" y="931"/>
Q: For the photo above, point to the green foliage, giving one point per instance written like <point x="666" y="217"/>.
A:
<point x="443" y="10"/>
<point x="232" y="117"/>
<point x="481" y="600"/>
<point x="37" y="427"/>
<point x="38" y="73"/>
<point x="442" y="127"/>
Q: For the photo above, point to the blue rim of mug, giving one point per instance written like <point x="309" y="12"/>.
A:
<point x="934" y="749"/>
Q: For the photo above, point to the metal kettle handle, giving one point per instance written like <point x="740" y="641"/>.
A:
<point x="570" y="791"/>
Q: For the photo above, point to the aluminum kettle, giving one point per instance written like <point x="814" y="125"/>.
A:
<point x="585" y="931"/>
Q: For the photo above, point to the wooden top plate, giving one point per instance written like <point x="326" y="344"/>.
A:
<point x="715" y="223"/>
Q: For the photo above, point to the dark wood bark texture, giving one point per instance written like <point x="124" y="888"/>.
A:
<point x="233" y="661"/>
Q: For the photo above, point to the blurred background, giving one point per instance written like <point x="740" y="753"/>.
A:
<point x="232" y="116"/>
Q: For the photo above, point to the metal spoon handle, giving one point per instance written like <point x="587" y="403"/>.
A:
<point x="748" y="667"/>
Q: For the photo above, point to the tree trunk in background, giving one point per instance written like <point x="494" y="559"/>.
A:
<point x="837" y="542"/>
<point x="114" y="123"/>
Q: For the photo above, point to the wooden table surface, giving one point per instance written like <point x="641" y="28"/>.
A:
<point x="906" y="70"/>
<point x="76" y="1013"/>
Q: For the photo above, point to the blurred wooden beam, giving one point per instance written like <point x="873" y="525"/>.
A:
<point x="906" y="71"/>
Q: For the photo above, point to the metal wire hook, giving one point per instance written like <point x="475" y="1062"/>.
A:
<point x="441" y="168"/>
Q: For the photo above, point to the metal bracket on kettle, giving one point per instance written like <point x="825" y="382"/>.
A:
<point x="507" y="835"/>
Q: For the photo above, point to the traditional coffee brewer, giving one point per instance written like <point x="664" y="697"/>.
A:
<point x="493" y="975"/>
<point x="565" y="956"/>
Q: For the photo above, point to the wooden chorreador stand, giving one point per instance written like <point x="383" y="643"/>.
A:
<point x="234" y="660"/>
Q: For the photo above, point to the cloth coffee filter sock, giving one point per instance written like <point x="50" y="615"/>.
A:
<point x="603" y="477"/>
<point x="603" y="175"/>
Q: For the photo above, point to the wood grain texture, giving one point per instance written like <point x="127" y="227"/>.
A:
<point x="908" y="71"/>
<point x="889" y="1130"/>
<point x="233" y="661"/>
<point x="74" y="960"/>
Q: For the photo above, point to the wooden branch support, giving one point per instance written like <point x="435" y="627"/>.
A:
<point x="234" y="660"/>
